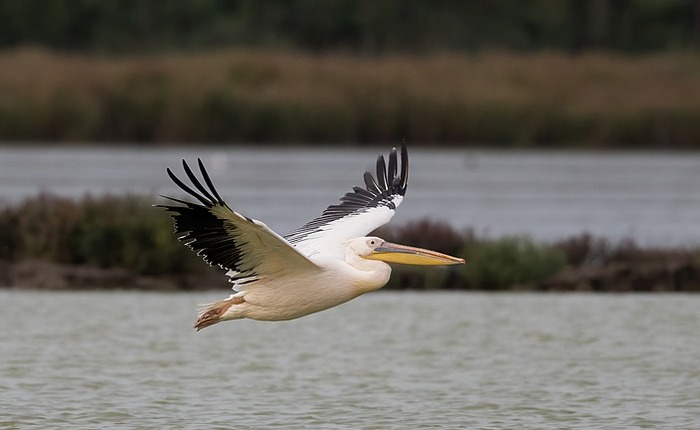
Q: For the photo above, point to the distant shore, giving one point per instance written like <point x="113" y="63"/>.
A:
<point x="681" y="275"/>
<point x="592" y="100"/>
<point x="55" y="243"/>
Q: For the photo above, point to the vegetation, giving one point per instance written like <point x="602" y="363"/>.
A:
<point x="511" y="261"/>
<point x="124" y="26"/>
<point x="104" y="232"/>
<point x="127" y="233"/>
<point x="352" y="71"/>
<point x="594" y="100"/>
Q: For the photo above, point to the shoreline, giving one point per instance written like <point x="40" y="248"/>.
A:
<point x="680" y="276"/>
<point x="49" y="276"/>
<point x="55" y="243"/>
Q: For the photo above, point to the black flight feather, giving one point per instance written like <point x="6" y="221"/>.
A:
<point x="213" y="238"/>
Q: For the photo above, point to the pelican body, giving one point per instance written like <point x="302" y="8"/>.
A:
<point x="325" y="263"/>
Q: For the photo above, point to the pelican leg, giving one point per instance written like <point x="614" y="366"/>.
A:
<point x="212" y="313"/>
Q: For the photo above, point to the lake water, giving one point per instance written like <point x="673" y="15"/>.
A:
<point x="386" y="360"/>
<point x="652" y="197"/>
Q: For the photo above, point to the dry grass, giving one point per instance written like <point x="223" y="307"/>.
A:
<point x="515" y="99"/>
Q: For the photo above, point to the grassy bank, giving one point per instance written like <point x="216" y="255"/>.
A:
<point x="52" y="242"/>
<point x="593" y="100"/>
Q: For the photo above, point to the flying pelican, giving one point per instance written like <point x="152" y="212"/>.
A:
<point x="325" y="263"/>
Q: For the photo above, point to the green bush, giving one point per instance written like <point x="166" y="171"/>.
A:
<point x="510" y="261"/>
<point x="106" y="232"/>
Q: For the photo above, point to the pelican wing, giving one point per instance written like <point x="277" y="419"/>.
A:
<point x="360" y="211"/>
<point x="245" y="247"/>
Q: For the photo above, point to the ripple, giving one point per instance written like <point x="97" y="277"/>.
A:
<point x="387" y="360"/>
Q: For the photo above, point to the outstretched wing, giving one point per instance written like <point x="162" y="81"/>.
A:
<point x="360" y="211"/>
<point x="247" y="248"/>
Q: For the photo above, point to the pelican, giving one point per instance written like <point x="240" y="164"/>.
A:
<point x="326" y="262"/>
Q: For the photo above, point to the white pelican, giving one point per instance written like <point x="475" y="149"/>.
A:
<point x="326" y="262"/>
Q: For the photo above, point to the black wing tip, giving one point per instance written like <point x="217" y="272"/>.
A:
<point x="403" y="183"/>
<point x="209" y="182"/>
<point x="397" y="181"/>
<point x="207" y="197"/>
<point x="388" y="177"/>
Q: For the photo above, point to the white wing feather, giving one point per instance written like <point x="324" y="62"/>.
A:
<point x="359" y="212"/>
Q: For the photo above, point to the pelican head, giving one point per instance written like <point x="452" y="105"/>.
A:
<point x="375" y="248"/>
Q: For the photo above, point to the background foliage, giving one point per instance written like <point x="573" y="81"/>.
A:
<point x="502" y="99"/>
<point x="593" y="73"/>
<point x="365" y="26"/>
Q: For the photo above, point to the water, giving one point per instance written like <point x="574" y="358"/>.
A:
<point x="386" y="360"/>
<point x="652" y="197"/>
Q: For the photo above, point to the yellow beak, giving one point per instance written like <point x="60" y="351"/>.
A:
<point x="394" y="253"/>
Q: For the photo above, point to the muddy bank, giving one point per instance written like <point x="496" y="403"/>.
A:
<point x="664" y="276"/>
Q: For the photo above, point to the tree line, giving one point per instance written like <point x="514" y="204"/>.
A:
<point x="364" y="26"/>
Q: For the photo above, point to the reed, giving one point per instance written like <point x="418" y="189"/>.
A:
<point x="495" y="98"/>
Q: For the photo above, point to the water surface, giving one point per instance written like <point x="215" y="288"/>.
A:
<point x="385" y="360"/>
<point x="652" y="197"/>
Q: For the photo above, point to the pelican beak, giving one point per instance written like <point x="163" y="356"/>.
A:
<point x="394" y="253"/>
